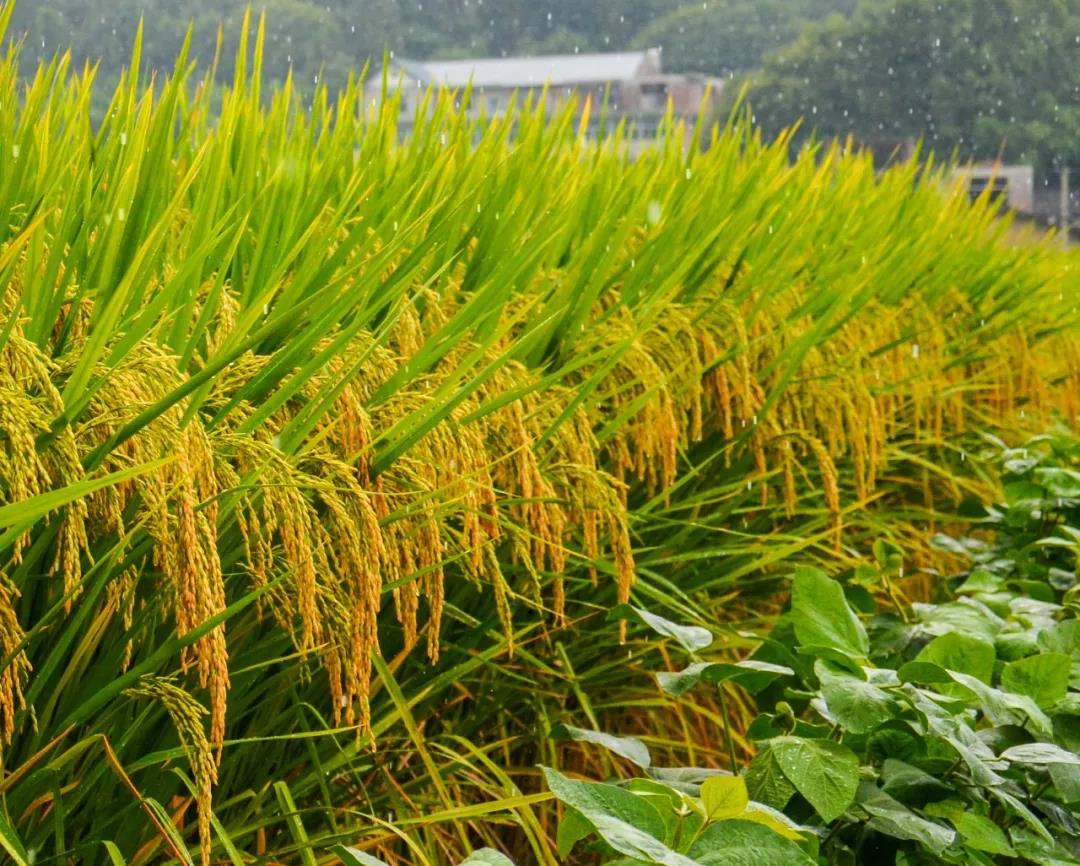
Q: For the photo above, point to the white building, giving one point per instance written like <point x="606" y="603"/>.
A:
<point x="632" y="82"/>
<point x="1014" y="184"/>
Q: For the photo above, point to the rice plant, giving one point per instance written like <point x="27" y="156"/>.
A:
<point x="323" y="447"/>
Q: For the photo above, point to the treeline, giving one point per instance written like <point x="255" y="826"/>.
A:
<point x="982" y="78"/>
<point x="330" y="39"/>
<point x="977" y="77"/>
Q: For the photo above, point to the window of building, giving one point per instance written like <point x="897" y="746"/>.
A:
<point x="654" y="96"/>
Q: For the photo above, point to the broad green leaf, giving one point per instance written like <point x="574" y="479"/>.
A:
<point x="923" y="674"/>
<point x="1059" y="482"/>
<point x="746" y="843"/>
<point x="1011" y="646"/>
<point x="1062" y="637"/>
<point x="1023" y="494"/>
<point x="909" y="784"/>
<point x="692" y="638"/>
<point x="896" y="740"/>
<point x="824" y="772"/>
<point x="888" y="555"/>
<point x="957" y="651"/>
<point x="1034" y="847"/>
<point x="666" y="794"/>
<point x="625" y="747"/>
<point x="1066" y="778"/>
<point x="822" y="617"/>
<point x="1027" y="609"/>
<point x="680" y="682"/>
<point x="668" y="801"/>
<point x="894" y="819"/>
<point x="596" y="798"/>
<point x="724" y="797"/>
<point x="1019" y="808"/>
<point x="766" y="782"/>
<point x="976" y="830"/>
<point x="630" y="840"/>
<point x="486" y="857"/>
<point x="980" y="760"/>
<point x="774" y="819"/>
<point x="685" y="780"/>
<point x="572" y="829"/>
<point x="1040" y="754"/>
<point x="751" y="673"/>
<point x="982" y="834"/>
<point x="355" y="857"/>
<point x="857" y="706"/>
<point x="1005" y="708"/>
<point x="1044" y="678"/>
<point x="960" y="617"/>
<point x="980" y="580"/>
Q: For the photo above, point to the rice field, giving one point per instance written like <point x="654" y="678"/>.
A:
<point x="325" y="452"/>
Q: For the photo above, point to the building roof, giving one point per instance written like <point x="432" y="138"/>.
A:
<point x="553" y="69"/>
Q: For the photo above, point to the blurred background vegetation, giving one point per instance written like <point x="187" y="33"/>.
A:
<point x="980" y="77"/>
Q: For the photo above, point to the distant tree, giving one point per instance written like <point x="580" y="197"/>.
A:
<point x="980" y="76"/>
<point x="722" y="37"/>
<point x="330" y="35"/>
<point x="98" y="31"/>
<point x="443" y="28"/>
<point x="312" y="38"/>
<point x="521" y="26"/>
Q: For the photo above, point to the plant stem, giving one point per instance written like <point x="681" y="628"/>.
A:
<point x="729" y="741"/>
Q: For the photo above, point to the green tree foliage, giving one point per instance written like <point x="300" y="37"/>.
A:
<point x="331" y="38"/>
<point x="602" y="25"/>
<point x="731" y="35"/>
<point x="982" y="76"/>
<point x="310" y="38"/>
